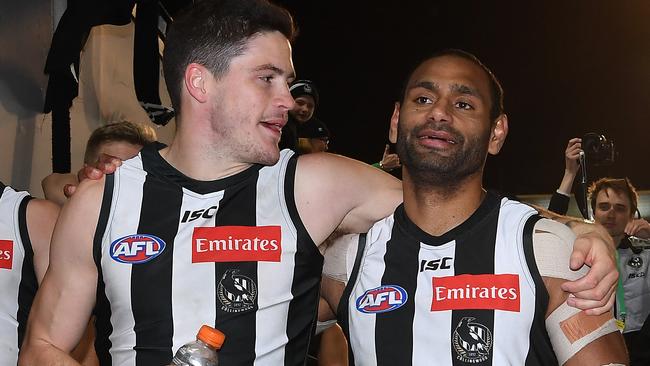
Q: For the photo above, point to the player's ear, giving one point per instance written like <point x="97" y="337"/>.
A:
<point x="392" y="132"/>
<point x="498" y="134"/>
<point x="195" y="80"/>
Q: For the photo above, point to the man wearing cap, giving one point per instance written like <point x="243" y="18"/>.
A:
<point x="306" y="99"/>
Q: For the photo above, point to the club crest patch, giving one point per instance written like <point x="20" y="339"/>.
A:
<point x="237" y="293"/>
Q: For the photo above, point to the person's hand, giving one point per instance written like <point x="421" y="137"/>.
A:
<point x="389" y="161"/>
<point x="639" y="228"/>
<point x="572" y="155"/>
<point x="594" y="292"/>
<point x="105" y="164"/>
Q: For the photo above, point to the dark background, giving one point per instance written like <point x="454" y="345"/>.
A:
<point x="567" y="68"/>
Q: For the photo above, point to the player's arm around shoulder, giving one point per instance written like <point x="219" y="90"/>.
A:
<point x="335" y="191"/>
<point x="65" y="299"/>
<point x="577" y="338"/>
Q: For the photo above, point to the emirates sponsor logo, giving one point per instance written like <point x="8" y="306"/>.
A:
<point x="236" y="244"/>
<point x="6" y="254"/>
<point x="488" y="291"/>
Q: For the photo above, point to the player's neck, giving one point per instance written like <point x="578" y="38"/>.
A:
<point x="436" y="210"/>
<point x="193" y="153"/>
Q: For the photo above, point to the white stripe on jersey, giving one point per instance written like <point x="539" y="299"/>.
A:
<point x="119" y="285"/>
<point x="511" y="329"/>
<point x="370" y="263"/>
<point x="426" y="323"/>
<point x="194" y="302"/>
<point x="274" y="278"/>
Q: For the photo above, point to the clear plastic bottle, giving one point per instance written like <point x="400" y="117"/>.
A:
<point x="202" y="351"/>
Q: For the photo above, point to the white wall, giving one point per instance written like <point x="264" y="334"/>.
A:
<point x="106" y="91"/>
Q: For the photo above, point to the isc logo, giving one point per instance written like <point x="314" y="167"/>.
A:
<point x="137" y="248"/>
<point x="190" y="216"/>
<point x="435" y="264"/>
<point x="382" y="299"/>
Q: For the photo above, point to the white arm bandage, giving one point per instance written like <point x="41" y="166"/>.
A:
<point x="553" y="244"/>
<point x="339" y="257"/>
<point x="569" y="329"/>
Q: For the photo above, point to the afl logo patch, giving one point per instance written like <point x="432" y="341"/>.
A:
<point x="136" y="248"/>
<point x="382" y="299"/>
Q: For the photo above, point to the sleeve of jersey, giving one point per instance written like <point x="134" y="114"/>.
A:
<point x="569" y="329"/>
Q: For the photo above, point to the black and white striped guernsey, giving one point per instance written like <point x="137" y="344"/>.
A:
<point x="174" y="253"/>
<point x="472" y="296"/>
<point x="17" y="277"/>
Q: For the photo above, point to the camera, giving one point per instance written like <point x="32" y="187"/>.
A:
<point x="598" y="150"/>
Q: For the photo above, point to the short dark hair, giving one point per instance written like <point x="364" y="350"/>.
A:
<point x="496" y="91"/>
<point x="621" y="186"/>
<point x="213" y="32"/>
<point x="123" y="131"/>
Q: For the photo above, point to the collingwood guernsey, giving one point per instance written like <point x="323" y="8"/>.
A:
<point x="174" y="253"/>
<point x="17" y="277"/>
<point x="472" y="296"/>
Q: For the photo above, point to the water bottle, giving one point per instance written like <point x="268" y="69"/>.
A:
<point x="202" y="351"/>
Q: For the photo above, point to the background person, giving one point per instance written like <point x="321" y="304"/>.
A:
<point x="314" y="137"/>
<point x="614" y="203"/>
<point x="122" y="140"/>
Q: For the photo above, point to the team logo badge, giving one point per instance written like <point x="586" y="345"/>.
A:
<point x="472" y="341"/>
<point x="136" y="249"/>
<point x="635" y="262"/>
<point x="6" y="254"/>
<point x="382" y="299"/>
<point x="237" y="293"/>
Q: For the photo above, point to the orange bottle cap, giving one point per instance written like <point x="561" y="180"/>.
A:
<point x="211" y="336"/>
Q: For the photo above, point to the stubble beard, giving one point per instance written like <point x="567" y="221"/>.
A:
<point x="239" y="147"/>
<point x="431" y="170"/>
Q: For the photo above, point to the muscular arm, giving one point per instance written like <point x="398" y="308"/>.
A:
<point x="552" y="243"/>
<point x="337" y="192"/>
<point x="65" y="299"/>
<point x="41" y="217"/>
